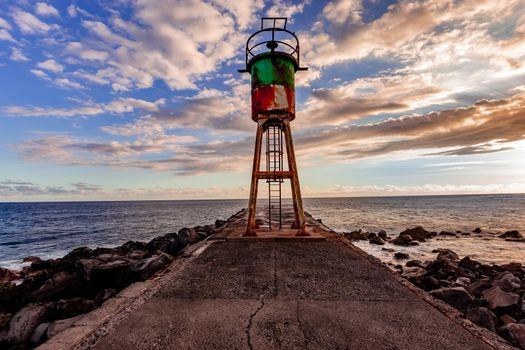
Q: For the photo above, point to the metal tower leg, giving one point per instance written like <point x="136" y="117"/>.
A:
<point x="294" y="181"/>
<point x="252" y="205"/>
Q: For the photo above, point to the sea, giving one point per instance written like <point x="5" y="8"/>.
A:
<point x="52" y="229"/>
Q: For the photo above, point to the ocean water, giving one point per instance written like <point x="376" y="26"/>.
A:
<point x="51" y="230"/>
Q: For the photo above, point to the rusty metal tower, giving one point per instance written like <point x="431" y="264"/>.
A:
<point x="272" y="59"/>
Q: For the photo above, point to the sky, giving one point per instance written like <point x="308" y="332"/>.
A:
<point x="122" y="100"/>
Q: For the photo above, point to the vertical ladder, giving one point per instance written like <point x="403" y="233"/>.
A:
<point x="274" y="163"/>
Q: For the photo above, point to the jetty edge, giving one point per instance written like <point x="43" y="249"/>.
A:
<point x="258" y="293"/>
<point x="100" y="325"/>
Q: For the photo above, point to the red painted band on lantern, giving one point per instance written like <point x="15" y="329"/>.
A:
<point x="273" y="99"/>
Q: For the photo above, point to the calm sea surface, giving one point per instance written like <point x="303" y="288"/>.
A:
<point x="52" y="229"/>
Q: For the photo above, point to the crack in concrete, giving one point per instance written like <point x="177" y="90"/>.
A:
<point x="300" y="325"/>
<point x="250" y="322"/>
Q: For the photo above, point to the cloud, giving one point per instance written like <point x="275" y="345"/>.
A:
<point x="66" y="83"/>
<point x="17" y="55"/>
<point x="29" y="24"/>
<point x="43" y="9"/>
<point x="72" y="11"/>
<point x="51" y="65"/>
<point x="282" y="8"/>
<point x="4" y="35"/>
<point x="4" y="24"/>
<point x="39" y="73"/>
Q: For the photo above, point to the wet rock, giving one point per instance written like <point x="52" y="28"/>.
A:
<point x="65" y="308"/>
<point x="507" y="281"/>
<point x="476" y="288"/>
<point x="188" y="236"/>
<point x="355" y="235"/>
<point x="39" y="334"/>
<point x="469" y="264"/>
<point x="31" y="259"/>
<point x="221" y="223"/>
<point x="104" y="295"/>
<point x="401" y="256"/>
<point x="413" y="243"/>
<point x="382" y="234"/>
<point x="25" y="321"/>
<point x="61" y="325"/>
<point x="131" y="246"/>
<point x="511" y="234"/>
<point x="163" y="244"/>
<point x="462" y="281"/>
<point x="417" y="233"/>
<point x="497" y="298"/>
<point x="446" y="254"/>
<point x="7" y="275"/>
<point x="137" y="254"/>
<point x="458" y="297"/>
<point x="515" y="332"/>
<point x="483" y="317"/>
<point x="79" y="253"/>
<point x="414" y="263"/>
<point x="446" y="233"/>
<point x="506" y="319"/>
<point x="376" y="240"/>
<point x="477" y="230"/>
<point x="148" y="267"/>
<point x="62" y="283"/>
<point x="402" y="239"/>
<point x="390" y="250"/>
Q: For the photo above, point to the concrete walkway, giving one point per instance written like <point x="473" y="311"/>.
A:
<point x="287" y="294"/>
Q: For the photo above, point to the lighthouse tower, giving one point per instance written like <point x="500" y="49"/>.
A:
<point x="272" y="59"/>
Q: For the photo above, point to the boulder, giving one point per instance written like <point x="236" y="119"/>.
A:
<point x="390" y="250"/>
<point x="476" y="288"/>
<point x="221" y="223"/>
<point x="188" y="236"/>
<point x="61" y="325"/>
<point x="400" y="255"/>
<point x="462" y="281"/>
<point x="446" y="233"/>
<point x="65" y="308"/>
<point x="414" y="263"/>
<point x="137" y="254"/>
<point x="25" y="321"/>
<point x="402" y="239"/>
<point x="515" y="332"/>
<point x="458" y="297"/>
<point x="511" y="234"/>
<point x="39" y="334"/>
<point x="477" y="230"/>
<point x="382" y="234"/>
<point x="507" y="281"/>
<point x="104" y="295"/>
<point x="7" y="275"/>
<point x="483" y="317"/>
<point x="355" y="235"/>
<point x="80" y="253"/>
<point x="412" y="243"/>
<point x="446" y="254"/>
<point x="114" y="274"/>
<point x="417" y="233"/>
<point x="31" y="259"/>
<point x="5" y="317"/>
<point x="506" y="319"/>
<point x="469" y="264"/>
<point x="131" y="246"/>
<point x="146" y="268"/>
<point x="61" y="283"/>
<point x="376" y="240"/>
<point x="497" y="298"/>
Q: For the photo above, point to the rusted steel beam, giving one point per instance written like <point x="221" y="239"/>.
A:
<point x="296" y="189"/>
<point x="252" y="204"/>
<point x="274" y="175"/>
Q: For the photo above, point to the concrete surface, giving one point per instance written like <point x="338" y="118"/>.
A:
<point x="266" y="294"/>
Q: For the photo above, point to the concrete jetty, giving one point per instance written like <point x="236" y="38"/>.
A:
<point x="274" y="292"/>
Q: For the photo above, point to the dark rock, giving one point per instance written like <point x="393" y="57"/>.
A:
<point x="163" y="244"/>
<point x="355" y="235"/>
<point x="114" y="274"/>
<point x="221" y="223"/>
<point x="413" y="243"/>
<point x="39" y="334"/>
<point x="465" y="233"/>
<point x="7" y="275"/>
<point x="458" y="231"/>
<point x="497" y="298"/>
<point x="131" y="246"/>
<point x="400" y="255"/>
<point x="446" y="254"/>
<point x="388" y="250"/>
<point x="513" y="266"/>
<point x="31" y="259"/>
<point x="414" y="263"/>
<point x="80" y="253"/>
<point x="515" y="332"/>
<point x="382" y="234"/>
<point x="376" y="240"/>
<point x="429" y="283"/>
<point x="66" y="308"/>
<point x="483" y="317"/>
<point x="476" y="288"/>
<point x="506" y="319"/>
<point x="417" y="233"/>
<point x="25" y="321"/>
<point x="469" y="264"/>
<point x="477" y="230"/>
<point x="4" y="319"/>
<point x="402" y="239"/>
<point x="104" y="295"/>
<point x="462" y="281"/>
<point x="137" y="254"/>
<point x="188" y="236"/>
<point x="61" y="325"/>
<point x="446" y="233"/>
<point x="62" y="283"/>
<point x="461" y="272"/>
<point x="458" y="297"/>
<point x="511" y="234"/>
<point x="148" y="267"/>
<point x="507" y="281"/>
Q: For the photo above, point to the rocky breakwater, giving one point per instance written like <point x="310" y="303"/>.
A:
<point x="48" y="296"/>
<point x="491" y="296"/>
